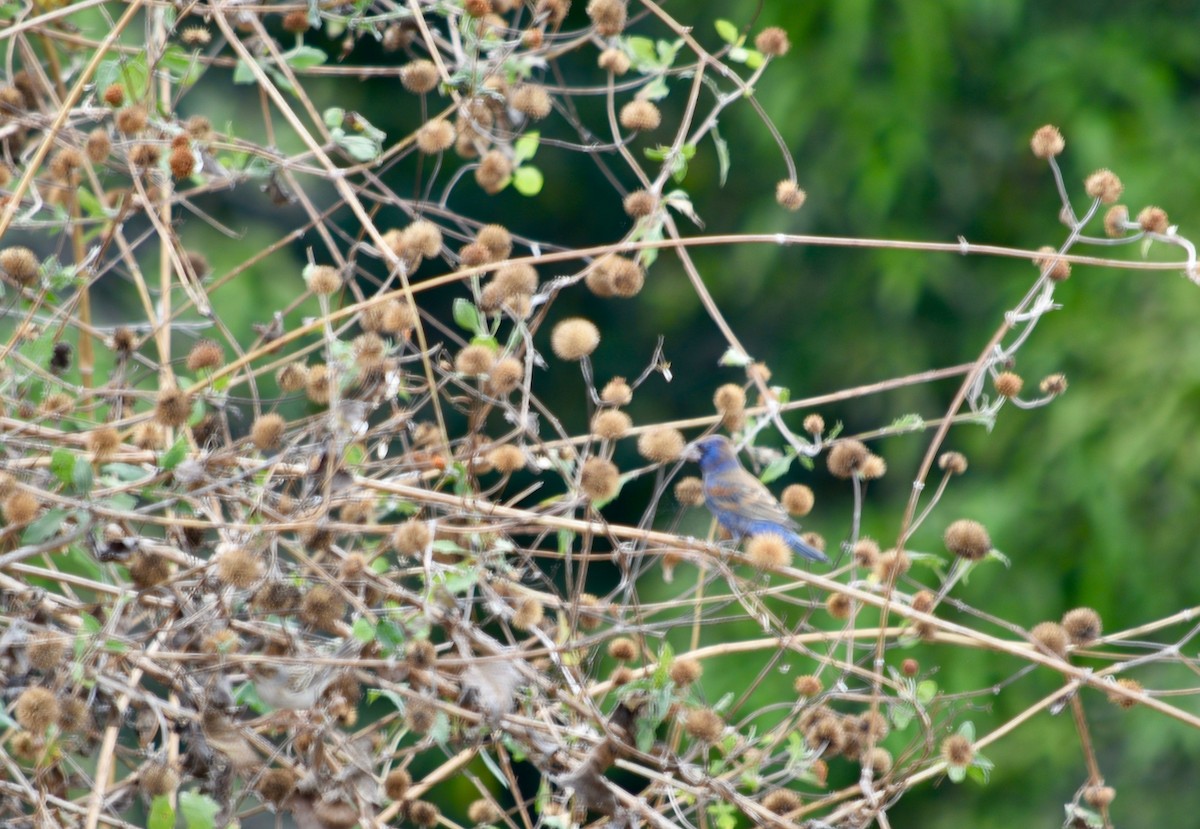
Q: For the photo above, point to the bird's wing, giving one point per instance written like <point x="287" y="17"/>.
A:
<point x="737" y="491"/>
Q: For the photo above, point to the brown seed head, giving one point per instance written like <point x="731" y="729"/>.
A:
<point x="1083" y="625"/>
<point x="623" y="649"/>
<point x="322" y="608"/>
<point x="493" y="171"/>
<point x="317" y="384"/>
<point x="613" y="60"/>
<point x="1104" y="185"/>
<point x="506" y="459"/>
<point x="781" y="801"/>
<point x="704" y="724"/>
<point x="768" y="551"/>
<point x="1099" y="797"/>
<point x="661" y="445"/>
<point x="575" y="338"/>
<point x="689" y="491"/>
<point x="846" y="458"/>
<point x="685" y="670"/>
<point x="158" y="779"/>
<point x="608" y="16"/>
<point x="873" y="468"/>
<point x="396" y="784"/>
<point x="195" y="36"/>
<point x="205" y="354"/>
<point x="640" y="116"/>
<point x="957" y="750"/>
<point x="1051" y="637"/>
<point x="516" y="279"/>
<point x="611" y="424"/>
<point x="616" y="392"/>
<point x="239" y="567"/>
<point x="839" y="605"/>
<point x="797" y="499"/>
<point x="1153" y="220"/>
<point x="1053" y="384"/>
<point x="420" y="76"/>
<point x="114" y="95"/>
<point x="788" y="195"/>
<point x="98" y="146"/>
<point x="276" y="786"/>
<point x="532" y="100"/>
<point x="19" y="265"/>
<point x="36" y="709"/>
<point x="1121" y="700"/>
<point x="484" y="812"/>
<point x="772" y="42"/>
<point x="866" y="552"/>
<point x="808" y="685"/>
<point x="529" y="614"/>
<point x="182" y="162"/>
<point x="1116" y="221"/>
<point x="968" y="539"/>
<point x="910" y="667"/>
<point x="1008" y="384"/>
<point x="891" y="565"/>
<point x="640" y="203"/>
<point x="497" y="241"/>
<point x="424" y="814"/>
<point x="435" y="136"/>
<point x="323" y="280"/>
<point x="505" y="376"/>
<point x="47" y="649"/>
<point x="1047" y="142"/>
<point x="173" y="407"/>
<point x="475" y="360"/>
<point x="1054" y="266"/>
<point x="954" y="463"/>
<point x="599" y="479"/>
<point x="411" y="537"/>
<point x="292" y="377"/>
<point x="132" y="119"/>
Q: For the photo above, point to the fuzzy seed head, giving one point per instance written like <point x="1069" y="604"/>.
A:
<point x="323" y="280"/>
<point x="292" y="377"/>
<point x="46" y="650"/>
<point x="420" y="76"/>
<point x="532" y="100"/>
<point x="205" y="354"/>
<point x="98" y="146"/>
<point x="879" y="761"/>
<point x="322" y="608"/>
<point x="640" y="116"/>
<point x="19" y="265"/>
<point x="797" y="499"/>
<point x="132" y="119"/>
<point x="957" y="751"/>
<point x="923" y="601"/>
<point x="399" y="315"/>
<point x="1055" y="267"/>
<point x="608" y="16"/>
<point x="104" y="441"/>
<point x="1051" y="636"/>
<point x="423" y="814"/>
<point x="768" y="551"/>
<point x="195" y="36"/>
<point x="704" y="724"/>
<point x="839" y="605"/>
<point x="316" y="384"/>
<point x="1008" y="384"/>
<point x="172" y="408"/>
<point x="639" y="204"/>
<point x="277" y="785"/>
<point x="239" y="567"/>
<point x="814" y="424"/>
<point x="613" y="60"/>
<point x="475" y="360"/>
<point x="497" y="241"/>
<point x="846" y="458"/>
<point x="493" y="171"/>
<point x="788" y="195"/>
<point x="1053" y="384"/>
<point x="1122" y="701"/>
<point x="114" y="95"/>
<point x="781" y="801"/>
<point x="772" y="42"/>
<point x="182" y="162"/>
<point x="730" y="401"/>
<point x="529" y="614"/>
<point x="685" y="670"/>
<point x="1047" y="142"/>
<point x="1115" y="221"/>
<point x="873" y="468"/>
<point x="424" y="237"/>
<point x="661" y="445"/>
<point x="411" y="537"/>
<point x="611" y="424"/>
<point x="421" y="653"/>
<point x="1083" y="625"/>
<point x="826" y="730"/>
<point x="396" y="784"/>
<point x="1099" y="797"/>
<point x="36" y="709"/>
<point x="158" y="779"/>
<point x="149" y="435"/>
<point x="435" y="136"/>
<point x="616" y="392"/>
<point x="968" y="539"/>
<point x="505" y="376"/>
<point x="506" y="459"/>
<point x="910" y="667"/>
<point x="808" y="685"/>
<point x="144" y="155"/>
<point x="516" y="279"/>
<point x="953" y="463"/>
<point x="1153" y="220"/>
<point x="690" y="491"/>
<point x="575" y="338"/>
<point x="891" y="565"/>
<point x="1104" y="185"/>
<point x="623" y="649"/>
<point x="599" y="479"/>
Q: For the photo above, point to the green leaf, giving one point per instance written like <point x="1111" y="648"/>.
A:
<point x="198" y="810"/>
<point x="641" y="50"/>
<point x="162" y="816"/>
<point x="957" y="773"/>
<point x="777" y="468"/>
<point x="727" y="31"/>
<point x="358" y="147"/>
<point x="81" y="478"/>
<point x="173" y="456"/>
<point x="62" y="464"/>
<point x="467" y="317"/>
<point x="334" y="117"/>
<point x="656" y="90"/>
<point x="527" y="180"/>
<point x="926" y="690"/>
<point x="182" y="66"/>
<point x="363" y="630"/>
<point x="304" y="57"/>
<point x="723" y="163"/>
<point x="242" y="73"/>
<point x="754" y="59"/>
<point x="733" y="357"/>
<point x="44" y="526"/>
<point x="526" y="147"/>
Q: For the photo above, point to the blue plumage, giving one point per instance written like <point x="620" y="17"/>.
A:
<point x="739" y="501"/>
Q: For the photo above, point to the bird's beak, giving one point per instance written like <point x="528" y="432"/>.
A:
<point x="691" y="452"/>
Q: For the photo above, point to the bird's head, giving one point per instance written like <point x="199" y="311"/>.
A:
<point x="711" y="452"/>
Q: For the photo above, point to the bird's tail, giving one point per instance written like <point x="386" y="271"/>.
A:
<point x="803" y="548"/>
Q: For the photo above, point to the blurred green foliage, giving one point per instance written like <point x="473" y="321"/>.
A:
<point x="911" y="121"/>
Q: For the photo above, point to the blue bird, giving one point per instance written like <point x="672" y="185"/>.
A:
<point x="739" y="501"/>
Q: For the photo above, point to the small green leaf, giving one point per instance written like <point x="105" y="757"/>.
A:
<point x="527" y="180"/>
<point x="162" y="816"/>
<point x="467" y="317"/>
<point x="81" y="477"/>
<point x="526" y="147"/>
<point x="641" y="49"/>
<point x="62" y="464"/>
<point x="173" y="456"/>
<point x="723" y="163"/>
<point x="358" y="147"/>
<point x="754" y="59"/>
<point x="198" y="810"/>
<point x="363" y="630"/>
<point x="777" y="468"/>
<point x="333" y="117"/>
<point x="304" y="57"/>
<point x="727" y="31"/>
<point x="956" y="773"/>
<point x="656" y="90"/>
<point x="44" y="526"/>
<point x="733" y="357"/>
<point x="926" y="690"/>
<point x="242" y="73"/>
<point x="183" y="67"/>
